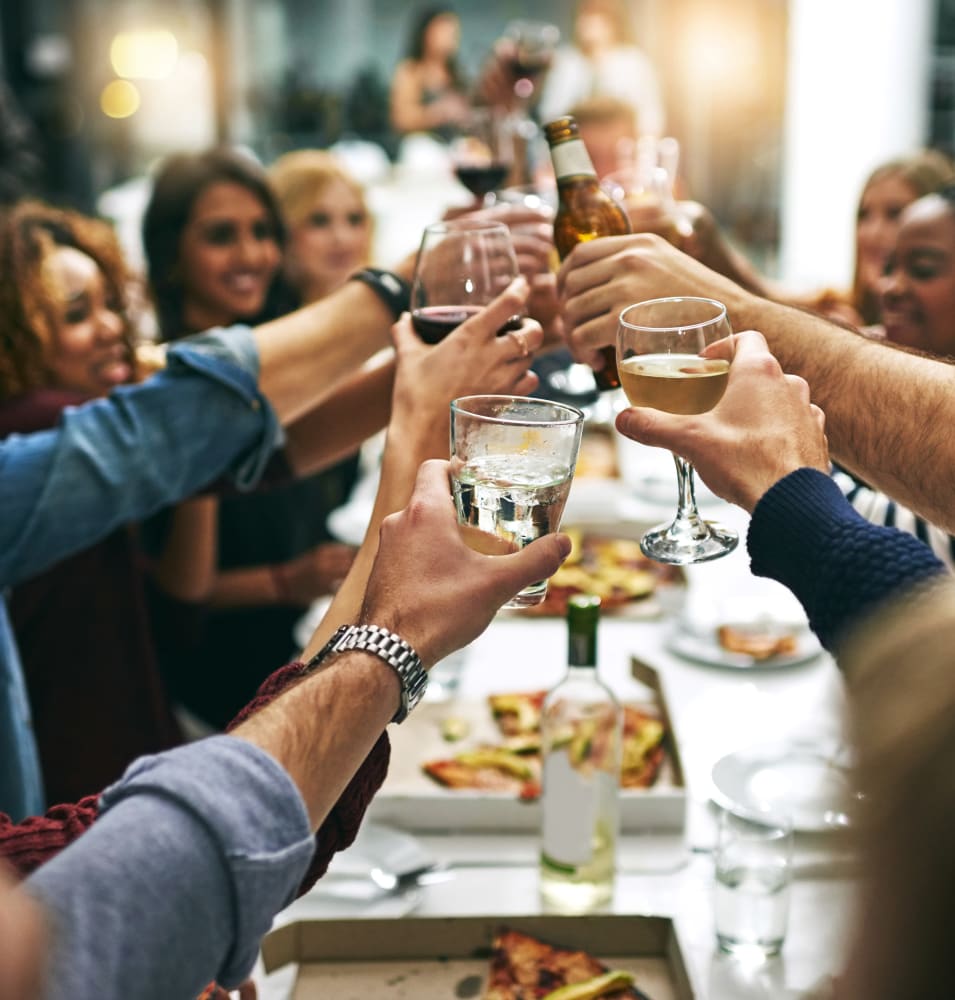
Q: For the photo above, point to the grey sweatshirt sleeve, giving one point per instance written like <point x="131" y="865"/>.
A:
<point x="178" y="880"/>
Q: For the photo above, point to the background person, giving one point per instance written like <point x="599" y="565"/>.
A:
<point x="428" y="93"/>
<point x="214" y="238"/>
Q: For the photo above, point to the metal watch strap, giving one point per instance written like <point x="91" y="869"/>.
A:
<point x="397" y="653"/>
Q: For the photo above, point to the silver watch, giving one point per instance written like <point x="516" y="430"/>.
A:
<point x="397" y="653"/>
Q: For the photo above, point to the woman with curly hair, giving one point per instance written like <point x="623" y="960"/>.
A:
<point x="82" y="626"/>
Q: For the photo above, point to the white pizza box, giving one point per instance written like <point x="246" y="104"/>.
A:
<point x="409" y="799"/>
<point x="433" y="958"/>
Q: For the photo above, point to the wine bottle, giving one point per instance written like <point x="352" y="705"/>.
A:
<point x="581" y="738"/>
<point x="584" y="212"/>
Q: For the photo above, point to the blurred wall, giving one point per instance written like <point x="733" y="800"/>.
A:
<point x="857" y="94"/>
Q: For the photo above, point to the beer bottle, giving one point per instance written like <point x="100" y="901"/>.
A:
<point x="584" y="212"/>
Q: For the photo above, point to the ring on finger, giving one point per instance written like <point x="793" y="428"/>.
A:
<point x="518" y="337"/>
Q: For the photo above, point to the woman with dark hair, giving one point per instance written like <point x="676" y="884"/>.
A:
<point x="427" y="92"/>
<point x="214" y="239"/>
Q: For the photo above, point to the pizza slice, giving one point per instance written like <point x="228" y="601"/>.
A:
<point x="517" y="713"/>
<point x="525" y="968"/>
<point x="490" y="769"/>
<point x="761" y="642"/>
<point x="643" y="750"/>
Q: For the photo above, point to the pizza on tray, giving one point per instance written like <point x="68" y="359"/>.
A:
<point x="524" y="968"/>
<point x="514" y="764"/>
<point x="612" y="568"/>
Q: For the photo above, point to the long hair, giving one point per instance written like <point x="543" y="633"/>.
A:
<point x="29" y="232"/>
<point x="925" y="172"/>
<point x="419" y="30"/>
<point x="179" y="182"/>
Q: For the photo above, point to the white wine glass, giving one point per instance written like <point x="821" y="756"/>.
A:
<point x="659" y="348"/>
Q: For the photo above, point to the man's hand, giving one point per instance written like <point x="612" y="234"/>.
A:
<point x="762" y="429"/>
<point x="599" y="279"/>
<point x="430" y="588"/>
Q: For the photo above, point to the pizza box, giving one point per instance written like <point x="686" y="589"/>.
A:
<point x="432" y="958"/>
<point x="409" y="799"/>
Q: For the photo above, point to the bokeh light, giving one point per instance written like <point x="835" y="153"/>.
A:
<point x="119" y="99"/>
<point x="144" y="55"/>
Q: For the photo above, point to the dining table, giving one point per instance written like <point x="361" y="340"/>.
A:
<point x="715" y="709"/>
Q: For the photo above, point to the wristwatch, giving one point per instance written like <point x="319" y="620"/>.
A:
<point x="397" y="653"/>
<point x="391" y="288"/>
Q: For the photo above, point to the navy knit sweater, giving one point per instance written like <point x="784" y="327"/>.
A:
<point x="805" y="534"/>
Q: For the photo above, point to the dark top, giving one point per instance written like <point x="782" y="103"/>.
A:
<point x="85" y="640"/>
<point x="215" y="672"/>
<point x="805" y="534"/>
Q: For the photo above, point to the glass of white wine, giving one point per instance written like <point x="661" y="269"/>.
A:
<point x="660" y="344"/>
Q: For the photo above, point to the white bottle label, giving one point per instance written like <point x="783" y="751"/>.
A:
<point x="570" y="805"/>
<point x="571" y="159"/>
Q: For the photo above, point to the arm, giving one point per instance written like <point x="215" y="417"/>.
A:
<point x="186" y="566"/>
<point x="878" y="400"/>
<point x="223" y="814"/>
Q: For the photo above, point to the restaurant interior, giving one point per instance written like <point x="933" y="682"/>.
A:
<point x="154" y="138"/>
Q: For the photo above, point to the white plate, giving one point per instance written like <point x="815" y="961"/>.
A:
<point x="704" y="647"/>
<point x="805" y="781"/>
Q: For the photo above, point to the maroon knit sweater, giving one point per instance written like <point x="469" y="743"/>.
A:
<point x="29" y="844"/>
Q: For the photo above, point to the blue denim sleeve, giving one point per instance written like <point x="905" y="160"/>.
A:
<point x="175" y="885"/>
<point x="118" y="459"/>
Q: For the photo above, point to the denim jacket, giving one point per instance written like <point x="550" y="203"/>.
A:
<point x="110" y="462"/>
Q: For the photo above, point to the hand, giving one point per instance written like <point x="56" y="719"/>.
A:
<point x="495" y="85"/>
<point x="430" y="588"/>
<point x="315" y="573"/>
<point x="599" y="279"/>
<point x="762" y="429"/>
<point x="246" y="991"/>
<point x="471" y="359"/>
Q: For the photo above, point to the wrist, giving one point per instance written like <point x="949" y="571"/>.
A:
<point x="391" y="288"/>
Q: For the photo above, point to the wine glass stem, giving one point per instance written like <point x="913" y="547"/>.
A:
<point x="687" y="520"/>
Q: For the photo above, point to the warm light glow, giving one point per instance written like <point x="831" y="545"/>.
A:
<point x="144" y="55"/>
<point x="720" y="51"/>
<point x="119" y="99"/>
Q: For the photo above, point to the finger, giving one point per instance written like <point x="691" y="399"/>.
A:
<point x="403" y="335"/>
<point x="585" y="341"/>
<point x="496" y="314"/>
<point x="820" y="417"/>
<point x="536" y="561"/>
<point x="654" y="427"/>
<point x="432" y="483"/>
<point x="799" y="386"/>
<point x="526" y="384"/>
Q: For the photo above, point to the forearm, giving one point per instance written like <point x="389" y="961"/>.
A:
<point x="339" y="424"/>
<point x="805" y="534"/>
<point x="406" y="449"/>
<point x="228" y="822"/>
<point x="186" y="568"/>
<point x="857" y="382"/>
<point x="252" y="586"/>
<point x="305" y="354"/>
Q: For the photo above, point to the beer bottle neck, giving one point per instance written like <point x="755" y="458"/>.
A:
<point x="571" y="159"/>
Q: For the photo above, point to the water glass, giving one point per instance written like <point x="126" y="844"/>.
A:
<point x="512" y="462"/>
<point x="753" y="879"/>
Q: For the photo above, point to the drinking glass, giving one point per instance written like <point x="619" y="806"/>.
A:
<point x="753" y="875"/>
<point x="461" y="267"/>
<point x="512" y="462"/>
<point x="483" y="153"/>
<point x="659" y="346"/>
<point x="534" y="43"/>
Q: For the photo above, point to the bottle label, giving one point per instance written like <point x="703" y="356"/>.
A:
<point x="571" y="159"/>
<point x="571" y="804"/>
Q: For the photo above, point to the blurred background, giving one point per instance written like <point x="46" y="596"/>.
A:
<point x="781" y="106"/>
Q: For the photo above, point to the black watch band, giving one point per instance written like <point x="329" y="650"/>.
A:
<point x="391" y="288"/>
<point x="398" y="654"/>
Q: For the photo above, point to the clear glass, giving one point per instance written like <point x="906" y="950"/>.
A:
<point x="483" y="154"/>
<point x="512" y="462"/>
<point x="659" y="357"/>
<point x="753" y="875"/>
<point x="461" y="266"/>
<point x="534" y="44"/>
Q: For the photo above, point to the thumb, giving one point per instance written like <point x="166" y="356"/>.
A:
<point x="654" y="427"/>
<point x="536" y="561"/>
<point x="403" y="334"/>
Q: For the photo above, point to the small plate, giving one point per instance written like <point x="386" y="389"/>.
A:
<point x="704" y="647"/>
<point x="805" y="781"/>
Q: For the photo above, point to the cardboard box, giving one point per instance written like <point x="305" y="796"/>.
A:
<point x="411" y="800"/>
<point x="433" y="958"/>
